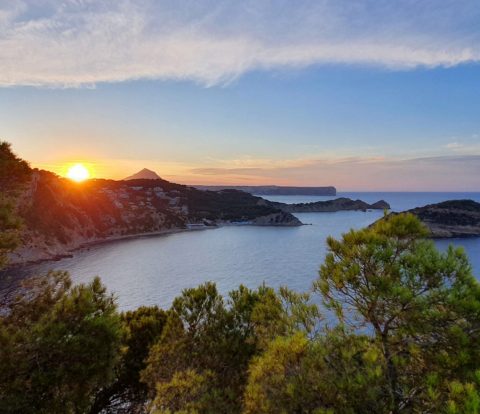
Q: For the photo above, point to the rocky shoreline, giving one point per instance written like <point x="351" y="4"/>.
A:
<point x="60" y="216"/>
<point x="69" y="253"/>
<point x="19" y="257"/>
<point x="450" y="219"/>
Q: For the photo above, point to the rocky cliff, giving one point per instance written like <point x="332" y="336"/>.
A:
<point x="60" y="215"/>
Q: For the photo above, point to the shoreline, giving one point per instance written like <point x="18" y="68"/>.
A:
<point x="141" y="235"/>
<point x="69" y="253"/>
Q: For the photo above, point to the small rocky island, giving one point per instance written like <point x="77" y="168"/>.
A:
<point x="330" y="206"/>
<point x="449" y="219"/>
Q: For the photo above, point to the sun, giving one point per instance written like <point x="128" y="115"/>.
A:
<point x="78" y="173"/>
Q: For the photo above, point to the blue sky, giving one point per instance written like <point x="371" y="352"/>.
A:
<point x="366" y="95"/>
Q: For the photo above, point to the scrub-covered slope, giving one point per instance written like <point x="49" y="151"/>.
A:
<point x="60" y="215"/>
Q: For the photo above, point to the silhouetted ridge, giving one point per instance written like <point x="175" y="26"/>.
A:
<point x="144" y="174"/>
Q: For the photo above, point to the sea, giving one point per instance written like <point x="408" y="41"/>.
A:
<point x="154" y="270"/>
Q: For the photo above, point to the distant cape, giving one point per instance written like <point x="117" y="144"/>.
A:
<point x="273" y="189"/>
<point x="144" y="174"/>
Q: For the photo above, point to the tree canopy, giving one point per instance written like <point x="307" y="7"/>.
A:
<point x="58" y="346"/>
<point x="421" y="306"/>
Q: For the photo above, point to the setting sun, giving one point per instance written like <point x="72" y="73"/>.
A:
<point x="78" y="172"/>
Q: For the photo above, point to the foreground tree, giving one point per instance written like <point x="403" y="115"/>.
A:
<point x="14" y="173"/>
<point x="334" y="372"/>
<point x="206" y="345"/>
<point x="58" y="345"/>
<point x="9" y="228"/>
<point x="422" y="308"/>
<point x="141" y="329"/>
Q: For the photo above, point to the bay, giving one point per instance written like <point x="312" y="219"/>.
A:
<point x="153" y="270"/>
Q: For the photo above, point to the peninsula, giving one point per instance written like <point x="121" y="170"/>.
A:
<point x="274" y="189"/>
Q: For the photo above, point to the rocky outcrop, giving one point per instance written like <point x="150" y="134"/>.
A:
<point x="455" y="218"/>
<point x="339" y="204"/>
<point x="277" y="219"/>
<point x="380" y="205"/>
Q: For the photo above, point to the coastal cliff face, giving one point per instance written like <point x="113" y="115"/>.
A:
<point x="60" y="215"/>
<point x="330" y="206"/>
<point x="456" y="218"/>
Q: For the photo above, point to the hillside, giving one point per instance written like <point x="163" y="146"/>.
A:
<point x="59" y="215"/>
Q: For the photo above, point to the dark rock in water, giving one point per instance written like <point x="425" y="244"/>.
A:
<point x="339" y="204"/>
<point x="455" y="218"/>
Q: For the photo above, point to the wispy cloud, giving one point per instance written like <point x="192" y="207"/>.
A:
<point x="455" y="145"/>
<point x="465" y="145"/>
<point x="84" y="42"/>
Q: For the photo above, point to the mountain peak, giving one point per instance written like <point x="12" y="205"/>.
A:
<point x="144" y="174"/>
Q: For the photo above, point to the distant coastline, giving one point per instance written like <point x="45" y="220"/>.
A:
<point x="273" y="189"/>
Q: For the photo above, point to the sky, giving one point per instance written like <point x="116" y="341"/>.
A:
<point x="365" y="95"/>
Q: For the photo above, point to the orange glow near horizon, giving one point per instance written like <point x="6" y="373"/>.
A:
<point x="177" y="172"/>
<point x="78" y="173"/>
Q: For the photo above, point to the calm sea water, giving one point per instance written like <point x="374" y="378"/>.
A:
<point x="154" y="270"/>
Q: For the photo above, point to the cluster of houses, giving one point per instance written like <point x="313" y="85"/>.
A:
<point x="133" y="199"/>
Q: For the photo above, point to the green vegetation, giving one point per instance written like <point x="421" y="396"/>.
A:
<point x="59" y="344"/>
<point x="14" y="173"/>
<point x="226" y="205"/>
<point x="13" y="170"/>
<point x="399" y="333"/>
<point x="422" y="307"/>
